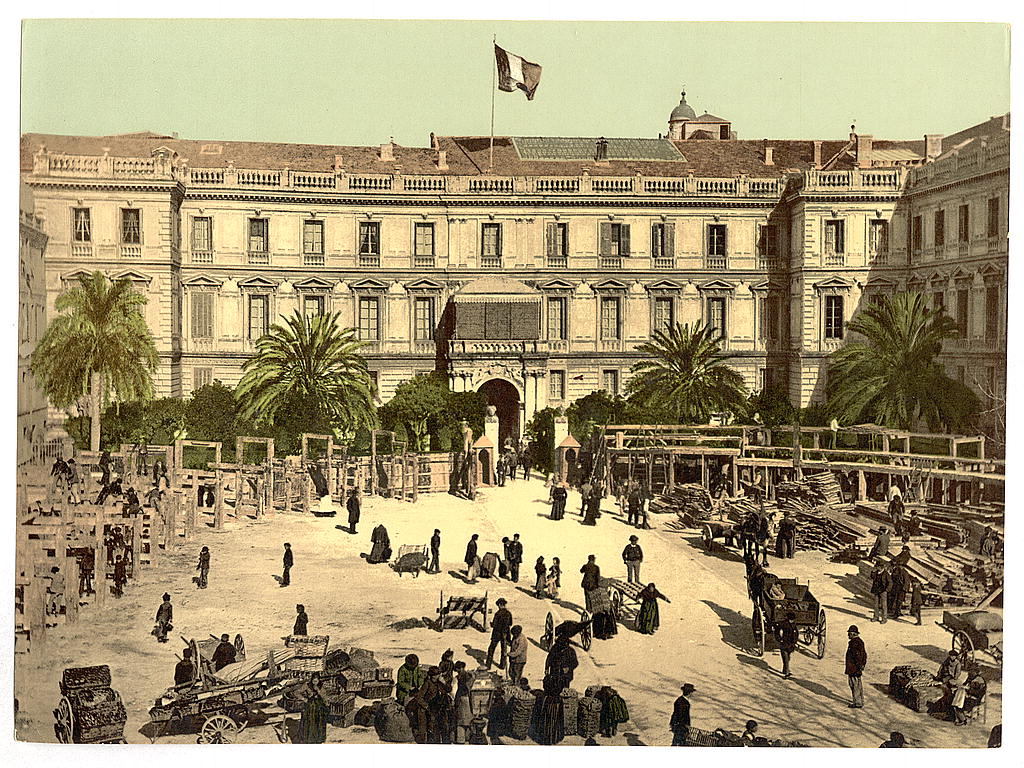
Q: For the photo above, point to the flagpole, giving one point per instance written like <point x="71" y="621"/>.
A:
<point x="494" y="87"/>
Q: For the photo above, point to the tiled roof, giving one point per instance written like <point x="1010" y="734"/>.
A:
<point x="701" y="135"/>
<point x="707" y="117"/>
<point x="576" y="148"/>
<point x="470" y="155"/>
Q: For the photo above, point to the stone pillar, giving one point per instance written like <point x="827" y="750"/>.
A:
<point x="491" y="430"/>
<point x="173" y="501"/>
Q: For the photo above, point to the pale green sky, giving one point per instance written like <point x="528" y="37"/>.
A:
<point x="359" y="82"/>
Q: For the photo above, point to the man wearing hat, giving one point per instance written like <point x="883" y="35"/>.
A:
<point x="164" y="614"/>
<point x="786" y="634"/>
<point x="680" y="722"/>
<point x="881" y="583"/>
<point x="632" y="556"/>
<point x="856" y="660"/>
<point x="501" y="628"/>
<point x="224" y="654"/>
<point x="185" y="670"/>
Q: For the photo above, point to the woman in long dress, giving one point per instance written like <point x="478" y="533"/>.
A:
<point x="542" y="571"/>
<point x="648" y="620"/>
<point x="381" y="551"/>
<point x="554" y="578"/>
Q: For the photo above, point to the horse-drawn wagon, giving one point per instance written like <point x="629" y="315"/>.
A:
<point x="808" y="615"/>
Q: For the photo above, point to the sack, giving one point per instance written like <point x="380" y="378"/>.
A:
<point x="983" y="621"/>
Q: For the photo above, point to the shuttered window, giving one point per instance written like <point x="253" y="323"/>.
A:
<point x="993" y="217"/>
<point x="369" y="318"/>
<point x="611" y="327"/>
<point x="614" y="239"/>
<point x="835" y="240"/>
<point x="716" y="240"/>
<point x="369" y="238"/>
<point x="964" y="223"/>
<point x="962" y="304"/>
<point x="81" y="225"/>
<point x="716" y="315"/>
<point x="557" y="239"/>
<point x="202" y="233"/>
<point x="663" y="313"/>
<point x="424" y="245"/>
<point x="259" y="315"/>
<point x="556" y="317"/>
<point x="258" y="229"/>
<point x="917" y="230"/>
<point x="610" y="382"/>
<point x="556" y="385"/>
<point x="768" y="240"/>
<point x="833" y="317"/>
<point x="663" y="241"/>
<point x="131" y="227"/>
<point x="878" y="236"/>
<point x="991" y="314"/>
<point x="490" y="240"/>
<point x="423" y="318"/>
<point x="940" y="228"/>
<point x="202" y="315"/>
<point x="312" y="306"/>
<point x="313" y="237"/>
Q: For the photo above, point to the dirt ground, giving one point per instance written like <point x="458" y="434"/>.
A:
<point x="705" y="635"/>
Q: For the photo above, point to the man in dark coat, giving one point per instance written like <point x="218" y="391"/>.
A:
<point x="185" y="670"/>
<point x="881" y="583"/>
<point x="633" y="556"/>
<point x="501" y="629"/>
<point x="301" y="620"/>
<point x="501" y="468"/>
<point x="900" y="578"/>
<point x="435" y="552"/>
<point x="164" y="615"/>
<point x="353" y="507"/>
<point x="786" y="635"/>
<point x="471" y="558"/>
<point x="680" y="722"/>
<point x="787" y="536"/>
<point x="380" y="550"/>
<point x="526" y="459"/>
<point x="289" y="561"/>
<point x="313" y="725"/>
<point x="856" y="661"/>
<point x="203" y="567"/>
<point x="559" y="496"/>
<point x="224" y="654"/>
<point x="120" y="576"/>
<point x="515" y="557"/>
<point x="591" y="579"/>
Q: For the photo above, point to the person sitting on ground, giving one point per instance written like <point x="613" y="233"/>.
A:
<point x="896" y="741"/>
<point x="749" y="736"/>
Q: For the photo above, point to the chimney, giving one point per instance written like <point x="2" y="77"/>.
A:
<point x="601" y="155"/>
<point x="434" y="143"/>
<point x="442" y="160"/>
<point x="932" y="146"/>
<point x="387" y="151"/>
<point x="817" y="154"/>
<point x="338" y="164"/>
<point x="768" y="154"/>
<point x="864" y="153"/>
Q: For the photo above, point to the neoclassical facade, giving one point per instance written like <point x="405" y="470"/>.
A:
<point x="531" y="269"/>
<point x="32" y="296"/>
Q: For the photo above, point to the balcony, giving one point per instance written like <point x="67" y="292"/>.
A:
<point x="831" y="345"/>
<point x="610" y="345"/>
<point x="490" y="261"/>
<point x="558" y="262"/>
<point x="131" y="251"/>
<point x="663" y="262"/>
<point x="833" y="259"/>
<point x="617" y="185"/>
<point x="425" y="184"/>
<point x="610" y="262"/>
<point x="259" y="257"/>
<point x="878" y="258"/>
<point x="715" y="261"/>
<point x="371" y="260"/>
<point x="995" y="244"/>
<point x="201" y="257"/>
<point x="558" y="345"/>
<point x="423" y="261"/>
<point x="768" y="261"/>
<point x="503" y="347"/>
<point x="963" y="249"/>
<point x="502" y="186"/>
<point x="313" y="260"/>
<point x="81" y="250"/>
<point x="855" y="180"/>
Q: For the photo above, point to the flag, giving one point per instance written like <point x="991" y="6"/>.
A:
<point x="516" y="72"/>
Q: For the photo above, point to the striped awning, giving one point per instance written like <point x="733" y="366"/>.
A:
<point x="496" y="290"/>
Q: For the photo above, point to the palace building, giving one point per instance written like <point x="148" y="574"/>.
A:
<point x="532" y="270"/>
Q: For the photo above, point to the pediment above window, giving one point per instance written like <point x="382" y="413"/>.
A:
<point x="203" y="281"/>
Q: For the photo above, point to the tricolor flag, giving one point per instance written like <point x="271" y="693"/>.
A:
<point x="516" y="72"/>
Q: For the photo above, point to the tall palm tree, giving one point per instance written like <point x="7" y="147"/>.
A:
<point x="684" y="373"/>
<point x="892" y="377"/>
<point x="98" y="343"/>
<point x="310" y="365"/>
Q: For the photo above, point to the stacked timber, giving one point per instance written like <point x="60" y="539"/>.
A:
<point x="691" y="502"/>
<point x="949" y="577"/>
<point x="821" y="488"/>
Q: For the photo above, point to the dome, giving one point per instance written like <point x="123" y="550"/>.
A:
<point x="682" y="112"/>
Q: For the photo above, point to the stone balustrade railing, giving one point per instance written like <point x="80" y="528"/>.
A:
<point x="857" y="179"/>
<point x="987" y="156"/>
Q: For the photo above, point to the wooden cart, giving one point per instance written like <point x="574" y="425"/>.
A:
<point x="971" y="643"/>
<point x="458" y="612"/>
<point x="548" y="638"/>
<point x="624" y="597"/>
<point x="809" y="616"/>
<point x="726" y="530"/>
<point x="89" y="710"/>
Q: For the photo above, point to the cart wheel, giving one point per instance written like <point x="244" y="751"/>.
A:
<point x="239" y="648"/>
<point x="548" y="638"/>
<point x="709" y="538"/>
<point x="218" y="729"/>
<point x="241" y="716"/>
<point x="615" y="598"/>
<point x="822" y="627"/>
<point x="963" y="646"/>
<point x="757" y="625"/>
<point x="586" y="636"/>
<point x="64" y="721"/>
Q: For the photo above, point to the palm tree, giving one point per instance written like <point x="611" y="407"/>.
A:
<point x="684" y="373"/>
<point x="312" y="366"/>
<point x="97" y="344"/>
<point x="892" y="378"/>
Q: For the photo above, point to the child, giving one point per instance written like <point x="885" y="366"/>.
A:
<point x="750" y="734"/>
<point x="554" y="578"/>
<point x="916" y="600"/>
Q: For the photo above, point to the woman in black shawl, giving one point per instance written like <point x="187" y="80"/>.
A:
<point x="648" y="620"/>
<point x="559" y="669"/>
<point x="381" y="551"/>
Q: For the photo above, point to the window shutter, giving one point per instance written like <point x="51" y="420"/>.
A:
<point x="670" y="241"/>
<point x="830" y="237"/>
<point x="552" y="233"/>
<point x="497" y="321"/>
<point x="469" y="321"/>
<point x="606" y="238"/>
<point x="525" y="320"/>
<point x="624" y="240"/>
<point x="839" y="237"/>
<point x="497" y="238"/>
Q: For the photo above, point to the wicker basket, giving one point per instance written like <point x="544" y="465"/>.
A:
<point x="377" y="690"/>
<point x="588" y="718"/>
<point x="75" y="678"/>
<point x="570" y="710"/>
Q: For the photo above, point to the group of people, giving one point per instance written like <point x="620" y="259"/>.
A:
<point x="436" y="700"/>
<point x="548" y="579"/>
<point x="891" y="582"/>
<point x="512" y="459"/>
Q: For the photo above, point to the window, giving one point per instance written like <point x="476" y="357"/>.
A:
<point x="369" y="238"/>
<point x="423" y="245"/>
<point x="962" y="299"/>
<point x="614" y="243"/>
<point x="940" y="228"/>
<point x="259" y="315"/>
<point x="938" y="301"/>
<point x="490" y="245"/>
<point x="878" y="237"/>
<point x="82" y="225"/>
<point x="663" y="313"/>
<point x="312" y="306"/>
<point x="202" y="234"/>
<point x="556" y="385"/>
<point x="833" y="317"/>
<point x="556" y="317"/>
<point x="610" y="382"/>
<point x="916" y="233"/>
<point x="835" y="244"/>
<point x="991" y="313"/>
<point x="313" y="238"/>
<point x="369" y="318"/>
<point x="558" y="244"/>
<point x="964" y="223"/>
<point x="716" y="315"/>
<point x="258" y="229"/>
<point x="767" y="245"/>
<point x="201" y="377"/>
<point x="131" y="231"/>
<point x="610" y="327"/>
<point x="663" y="244"/>
<point x="768" y="319"/>
<point x="716" y="240"/>
<point x="764" y="378"/>
<point x="202" y="315"/>
<point x="423" y="318"/>
<point x="992" y="230"/>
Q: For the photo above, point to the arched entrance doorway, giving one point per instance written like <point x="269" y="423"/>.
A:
<point x="505" y="398"/>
